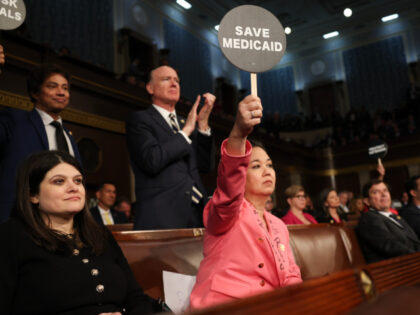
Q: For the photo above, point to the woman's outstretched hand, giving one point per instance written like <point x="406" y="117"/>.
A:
<point x="249" y="114"/>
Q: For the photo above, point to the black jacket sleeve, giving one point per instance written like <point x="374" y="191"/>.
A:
<point x="137" y="302"/>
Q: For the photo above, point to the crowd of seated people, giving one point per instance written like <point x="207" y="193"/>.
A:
<point x="358" y="125"/>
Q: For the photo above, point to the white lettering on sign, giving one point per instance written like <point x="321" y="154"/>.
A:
<point x="377" y="149"/>
<point x="10" y="3"/>
<point x="250" y="44"/>
<point x="9" y="14"/>
<point x="252" y="31"/>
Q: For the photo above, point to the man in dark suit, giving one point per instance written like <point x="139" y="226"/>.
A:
<point x="23" y="132"/>
<point x="411" y="212"/>
<point x="383" y="235"/>
<point x="103" y="212"/>
<point x="166" y="155"/>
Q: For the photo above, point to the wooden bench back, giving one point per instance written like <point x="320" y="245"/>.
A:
<point x="395" y="272"/>
<point x="322" y="249"/>
<point x="151" y="252"/>
<point x="319" y="250"/>
<point x="362" y="290"/>
<point x="334" y="294"/>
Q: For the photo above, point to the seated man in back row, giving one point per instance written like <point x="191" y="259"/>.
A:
<point x="381" y="233"/>
<point x="103" y="212"/>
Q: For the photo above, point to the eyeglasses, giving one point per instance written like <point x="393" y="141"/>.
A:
<point x="301" y="197"/>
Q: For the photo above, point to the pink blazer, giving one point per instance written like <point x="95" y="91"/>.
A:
<point x="240" y="257"/>
<point x="290" y="218"/>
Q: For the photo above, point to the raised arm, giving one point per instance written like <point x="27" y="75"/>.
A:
<point x="222" y="211"/>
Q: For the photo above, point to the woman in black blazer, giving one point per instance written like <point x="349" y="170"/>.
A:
<point x="55" y="259"/>
<point x="329" y="210"/>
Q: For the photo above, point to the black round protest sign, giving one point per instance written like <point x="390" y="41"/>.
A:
<point x="377" y="149"/>
<point x="252" y="38"/>
<point x="12" y="14"/>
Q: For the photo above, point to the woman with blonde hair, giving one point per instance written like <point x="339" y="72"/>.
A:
<point x="296" y="198"/>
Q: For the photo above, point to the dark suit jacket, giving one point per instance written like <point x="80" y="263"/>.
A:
<point x="166" y="166"/>
<point x="21" y="133"/>
<point x="411" y="215"/>
<point x="118" y="217"/>
<point x="36" y="281"/>
<point x="381" y="238"/>
<point x="322" y="217"/>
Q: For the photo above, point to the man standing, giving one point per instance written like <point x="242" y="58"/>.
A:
<point x="166" y="154"/>
<point x="23" y="133"/>
<point x="382" y="234"/>
<point x="103" y="212"/>
<point x="411" y="212"/>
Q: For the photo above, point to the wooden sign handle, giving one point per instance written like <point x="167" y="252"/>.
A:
<point x="254" y="89"/>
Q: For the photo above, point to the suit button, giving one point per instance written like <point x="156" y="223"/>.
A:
<point x="76" y="252"/>
<point x="94" y="272"/>
<point x="100" y="288"/>
<point x="260" y="239"/>
<point x="260" y="265"/>
<point x="262" y="283"/>
<point x="85" y="260"/>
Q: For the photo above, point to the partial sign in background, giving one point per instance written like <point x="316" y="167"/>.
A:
<point x="252" y="39"/>
<point x="377" y="150"/>
<point x="12" y="14"/>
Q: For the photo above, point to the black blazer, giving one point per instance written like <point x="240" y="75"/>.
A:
<point x="36" y="281"/>
<point x="411" y="215"/>
<point x="323" y="217"/>
<point x="166" y="167"/>
<point x="21" y="134"/>
<point x="118" y="217"/>
<point x="381" y="238"/>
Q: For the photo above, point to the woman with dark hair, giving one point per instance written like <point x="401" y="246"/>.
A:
<point x="246" y="249"/>
<point x="329" y="207"/>
<point x="55" y="259"/>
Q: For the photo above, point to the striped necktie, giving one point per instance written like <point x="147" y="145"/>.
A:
<point x="173" y="122"/>
<point x="196" y="194"/>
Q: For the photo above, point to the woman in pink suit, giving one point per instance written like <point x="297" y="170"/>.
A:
<point x="246" y="249"/>
<point x="296" y="198"/>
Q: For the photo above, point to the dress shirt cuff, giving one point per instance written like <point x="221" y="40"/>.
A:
<point x="185" y="136"/>
<point x="206" y="132"/>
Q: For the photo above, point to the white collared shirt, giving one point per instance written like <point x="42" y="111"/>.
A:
<point x="50" y="130"/>
<point x="103" y="213"/>
<point x="387" y="214"/>
<point x="165" y="114"/>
